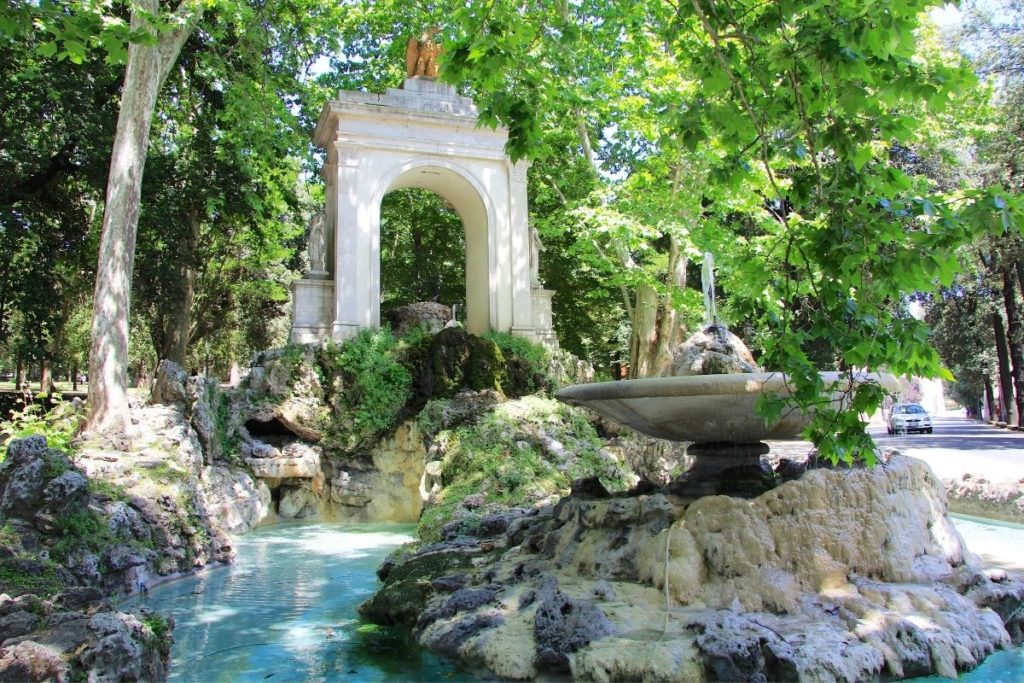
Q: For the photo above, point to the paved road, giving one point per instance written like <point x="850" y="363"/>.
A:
<point x="960" y="446"/>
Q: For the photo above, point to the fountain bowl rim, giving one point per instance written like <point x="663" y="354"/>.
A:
<point x="704" y="385"/>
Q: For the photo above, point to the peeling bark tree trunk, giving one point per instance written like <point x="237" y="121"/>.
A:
<point x="1014" y="340"/>
<point x="655" y="322"/>
<point x="1005" y="381"/>
<point x="148" y="66"/>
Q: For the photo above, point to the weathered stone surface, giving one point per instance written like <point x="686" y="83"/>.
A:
<point x="103" y="646"/>
<point x="655" y="460"/>
<point x="386" y="486"/>
<point x="971" y="495"/>
<point x="712" y="351"/>
<point x="236" y="502"/>
<point x="283" y="385"/>
<point x="203" y="399"/>
<point x="65" y="490"/>
<point x="430" y="315"/>
<point x="842" y="575"/>
<point x="562" y="625"/>
<point x="298" y="503"/>
<point x="305" y="467"/>
<point x="29" y="661"/>
<point x="17" y="624"/>
<point x="169" y="383"/>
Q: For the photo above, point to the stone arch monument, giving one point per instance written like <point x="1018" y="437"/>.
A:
<point x="422" y="135"/>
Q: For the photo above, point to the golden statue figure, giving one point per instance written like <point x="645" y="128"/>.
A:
<point x="421" y="55"/>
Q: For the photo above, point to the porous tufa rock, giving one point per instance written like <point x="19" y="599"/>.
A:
<point x="971" y="495"/>
<point x="168" y="384"/>
<point x="429" y="315"/>
<point x="842" y="575"/>
<point x="713" y="350"/>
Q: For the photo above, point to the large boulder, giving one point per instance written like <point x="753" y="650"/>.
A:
<point x="844" y="575"/>
<point x="235" y="500"/>
<point x="385" y="485"/>
<point x="429" y="315"/>
<point x="296" y="462"/>
<point x="168" y="384"/>
<point x="204" y="409"/>
<point x="713" y="350"/>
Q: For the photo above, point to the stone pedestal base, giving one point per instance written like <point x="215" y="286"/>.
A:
<point x="543" y="319"/>
<point x="314" y="310"/>
<point x="725" y="468"/>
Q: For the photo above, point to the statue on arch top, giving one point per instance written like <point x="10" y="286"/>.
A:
<point x="421" y="55"/>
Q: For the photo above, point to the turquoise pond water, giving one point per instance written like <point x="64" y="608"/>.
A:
<point x="286" y="611"/>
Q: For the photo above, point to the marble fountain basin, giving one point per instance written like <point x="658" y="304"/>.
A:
<point x="702" y="408"/>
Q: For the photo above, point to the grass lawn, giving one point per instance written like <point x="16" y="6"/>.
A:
<point x="63" y="387"/>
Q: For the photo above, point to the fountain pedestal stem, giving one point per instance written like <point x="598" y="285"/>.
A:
<point x="726" y="468"/>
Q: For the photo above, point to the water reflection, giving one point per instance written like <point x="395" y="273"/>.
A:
<point x="286" y="611"/>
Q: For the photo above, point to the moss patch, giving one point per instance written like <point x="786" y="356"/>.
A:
<point x="520" y="453"/>
<point x="20" y="575"/>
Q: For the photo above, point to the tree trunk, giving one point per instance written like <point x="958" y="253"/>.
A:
<point x="19" y="374"/>
<point x="180" y="318"/>
<point x="989" y="400"/>
<point x="74" y="375"/>
<point x="147" y="68"/>
<point x="46" y="385"/>
<point x="1015" y="337"/>
<point x="644" y="338"/>
<point x="1005" y="379"/>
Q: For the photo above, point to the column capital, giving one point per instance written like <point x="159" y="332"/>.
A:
<point x="347" y="154"/>
<point x="517" y="172"/>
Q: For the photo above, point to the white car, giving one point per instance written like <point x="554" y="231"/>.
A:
<point x="909" y="417"/>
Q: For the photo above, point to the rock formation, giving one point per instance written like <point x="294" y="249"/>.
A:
<point x="712" y="351"/>
<point x="840" y="575"/>
<point x="972" y="495"/>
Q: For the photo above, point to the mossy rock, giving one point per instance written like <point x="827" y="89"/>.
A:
<point x="398" y="603"/>
<point x="408" y="587"/>
<point x="451" y="361"/>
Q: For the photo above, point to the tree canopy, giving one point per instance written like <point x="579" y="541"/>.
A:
<point x="834" y="157"/>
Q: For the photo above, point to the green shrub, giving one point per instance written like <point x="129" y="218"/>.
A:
<point x="431" y="417"/>
<point x="535" y="355"/>
<point x="82" y="529"/>
<point x="230" y="439"/>
<point x="159" y="635"/>
<point x="59" y="425"/>
<point x="21" y="575"/>
<point x="102" y="488"/>
<point x="527" y="364"/>
<point x="520" y="453"/>
<point x="370" y="387"/>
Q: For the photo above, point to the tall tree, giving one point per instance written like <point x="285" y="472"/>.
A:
<point x="149" y="62"/>
<point x="796" y="107"/>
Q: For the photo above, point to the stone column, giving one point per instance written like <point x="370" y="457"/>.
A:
<point x="522" y="308"/>
<point x="330" y="174"/>
<point x="351" y="249"/>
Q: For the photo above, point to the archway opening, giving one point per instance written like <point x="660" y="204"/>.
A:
<point x="454" y="190"/>
<point x="422" y="251"/>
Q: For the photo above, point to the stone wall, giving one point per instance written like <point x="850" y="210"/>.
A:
<point x="386" y="485"/>
<point x="974" y="495"/>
